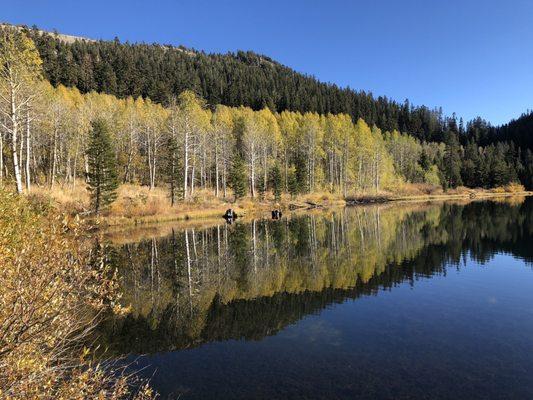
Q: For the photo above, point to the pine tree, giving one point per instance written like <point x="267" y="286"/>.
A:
<point x="452" y="161"/>
<point x="276" y="181"/>
<point x="171" y="158"/>
<point x="102" y="176"/>
<point x="527" y="174"/>
<point x="237" y="178"/>
<point x="470" y="168"/>
<point x="301" y="175"/>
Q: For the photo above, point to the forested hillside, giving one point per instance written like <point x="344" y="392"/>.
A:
<point x="234" y="79"/>
<point x="519" y="131"/>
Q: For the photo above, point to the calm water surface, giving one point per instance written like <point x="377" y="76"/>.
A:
<point x="421" y="301"/>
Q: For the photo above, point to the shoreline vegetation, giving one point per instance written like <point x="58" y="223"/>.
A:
<point x="137" y="205"/>
<point x="56" y="288"/>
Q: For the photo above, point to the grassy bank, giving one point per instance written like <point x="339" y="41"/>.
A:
<point x="439" y="194"/>
<point x="137" y="205"/>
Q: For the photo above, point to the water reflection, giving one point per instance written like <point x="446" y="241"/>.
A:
<point x="250" y="280"/>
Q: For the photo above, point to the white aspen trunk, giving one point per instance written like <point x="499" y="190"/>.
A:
<point x="154" y="164"/>
<point x="252" y="171"/>
<point x="360" y="173"/>
<point x="21" y="155"/>
<point x="345" y="176"/>
<point x="189" y="277"/>
<point x="375" y="173"/>
<point x="286" y="172"/>
<point x="150" y="160"/>
<point x="330" y="168"/>
<point x="224" y="169"/>
<point x="75" y="166"/>
<point x="252" y="178"/>
<point x="265" y="172"/>
<point x="68" y="172"/>
<point x="202" y="170"/>
<point x="185" y="164"/>
<point x="204" y="167"/>
<point x="216" y="168"/>
<point x="224" y="180"/>
<point x="54" y="160"/>
<point x="378" y="176"/>
<point x="28" y="153"/>
<point x="193" y="171"/>
<point x="14" y="138"/>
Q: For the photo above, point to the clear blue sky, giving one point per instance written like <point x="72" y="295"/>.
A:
<point x="474" y="57"/>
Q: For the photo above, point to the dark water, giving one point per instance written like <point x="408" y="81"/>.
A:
<point x="425" y="301"/>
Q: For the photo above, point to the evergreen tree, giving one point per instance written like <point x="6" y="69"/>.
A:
<point x="173" y="177"/>
<point x="424" y="161"/>
<point x="276" y="181"/>
<point x="301" y="175"/>
<point x="527" y="172"/>
<point x="237" y="178"/>
<point x="102" y="176"/>
<point x="452" y="161"/>
<point x="470" y="169"/>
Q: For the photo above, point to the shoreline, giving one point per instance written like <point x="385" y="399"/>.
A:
<point x="199" y="216"/>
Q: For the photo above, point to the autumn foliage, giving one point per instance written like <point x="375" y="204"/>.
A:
<point x="53" y="290"/>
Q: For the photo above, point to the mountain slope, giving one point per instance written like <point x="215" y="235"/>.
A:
<point x="233" y="79"/>
<point x="519" y="131"/>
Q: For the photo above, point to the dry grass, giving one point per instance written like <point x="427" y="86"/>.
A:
<point x="514" y="188"/>
<point x="138" y="205"/>
<point x="72" y="199"/>
<point x="417" y="189"/>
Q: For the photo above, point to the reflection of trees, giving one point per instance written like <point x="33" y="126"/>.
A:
<point x="250" y="280"/>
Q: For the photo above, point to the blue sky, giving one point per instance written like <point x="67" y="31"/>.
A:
<point x="473" y="57"/>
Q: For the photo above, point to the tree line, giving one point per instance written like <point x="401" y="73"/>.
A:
<point x="57" y="134"/>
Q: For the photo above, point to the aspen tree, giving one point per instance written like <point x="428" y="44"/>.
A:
<point x="223" y="125"/>
<point x="192" y="119"/>
<point x="20" y="69"/>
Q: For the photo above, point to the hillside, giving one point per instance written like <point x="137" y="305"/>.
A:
<point x="519" y="131"/>
<point x="233" y="79"/>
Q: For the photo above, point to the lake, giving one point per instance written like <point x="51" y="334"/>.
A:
<point x="393" y="301"/>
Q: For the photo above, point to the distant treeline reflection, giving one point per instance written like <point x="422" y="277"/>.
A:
<point x="249" y="280"/>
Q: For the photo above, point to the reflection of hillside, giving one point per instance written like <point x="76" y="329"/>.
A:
<point x="251" y="280"/>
